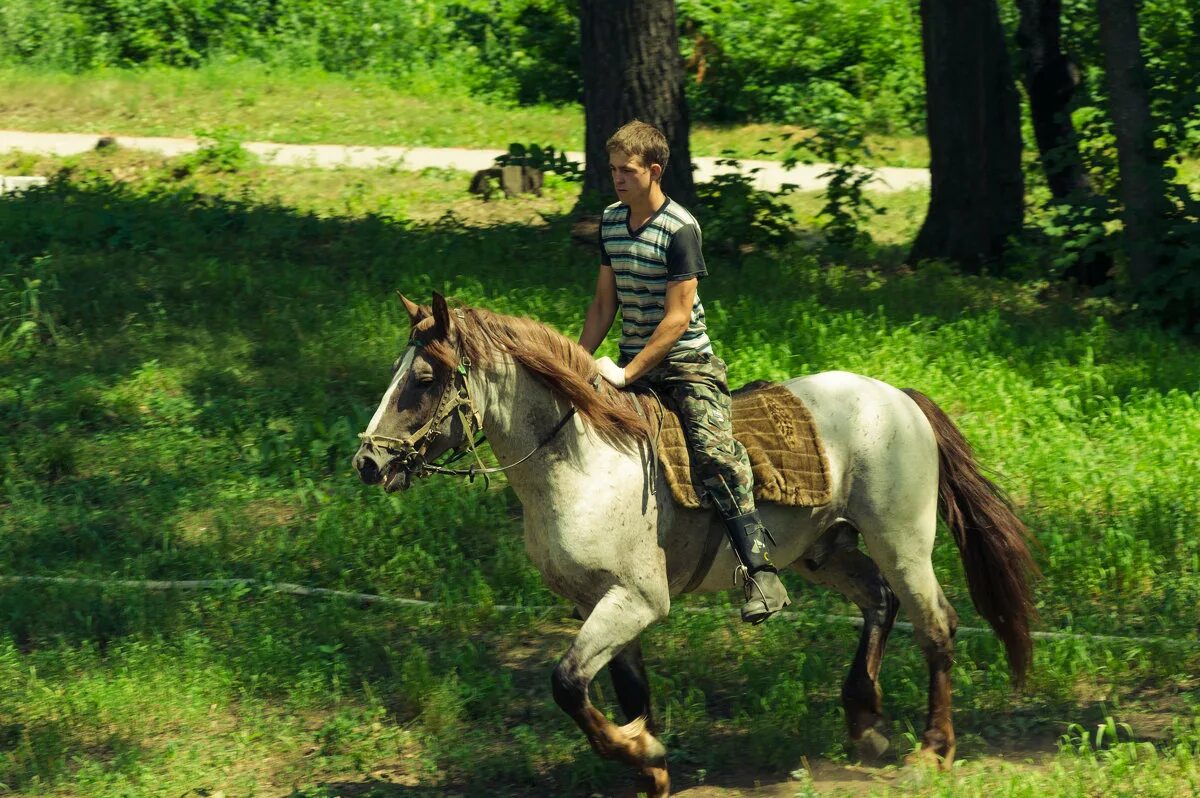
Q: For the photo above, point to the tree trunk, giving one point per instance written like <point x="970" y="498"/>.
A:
<point x="1050" y="79"/>
<point x="632" y="69"/>
<point x="1142" y="186"/>
<point x="977" y="191"/>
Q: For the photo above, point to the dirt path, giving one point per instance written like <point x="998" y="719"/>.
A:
<point x="769" y="175"/>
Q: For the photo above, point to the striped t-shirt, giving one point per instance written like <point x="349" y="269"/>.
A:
<point x="665" y="248"/>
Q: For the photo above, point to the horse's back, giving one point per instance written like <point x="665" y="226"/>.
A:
<point x="876" y="438"/>
<point x="846" y="403"/>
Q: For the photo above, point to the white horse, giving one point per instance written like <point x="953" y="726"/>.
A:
<point x="602" y="529"/>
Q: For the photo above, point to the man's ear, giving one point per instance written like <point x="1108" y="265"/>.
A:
<point x="656" y="171"/>
<point x="414" y="310"/>
<point x="441" y="313"/>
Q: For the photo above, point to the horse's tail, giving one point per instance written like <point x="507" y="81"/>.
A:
<point x="990" y="538"/>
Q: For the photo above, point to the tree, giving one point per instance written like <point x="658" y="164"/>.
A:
<point x="974" y="123"/>
<point x="1142" y="184"/>
<point x="632" y="69"/>
<point x="1050" y="79"/>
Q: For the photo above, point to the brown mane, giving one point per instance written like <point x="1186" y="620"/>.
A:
<point x="563" y="365"/>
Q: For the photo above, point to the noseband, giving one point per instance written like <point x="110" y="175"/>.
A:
<point x="455" y="400"/>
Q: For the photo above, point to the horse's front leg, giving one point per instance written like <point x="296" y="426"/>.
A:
<point x="612" y="625"/>
<point x="628" y="672"/>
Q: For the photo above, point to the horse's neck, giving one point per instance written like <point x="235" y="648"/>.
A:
<point x="519" y="414"/>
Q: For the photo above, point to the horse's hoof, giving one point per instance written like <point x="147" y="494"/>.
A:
<point x="873" y="744"/>
<point x="643" y="746"/>
<point x="928" y="758"/>
<point x="658" y="782"/>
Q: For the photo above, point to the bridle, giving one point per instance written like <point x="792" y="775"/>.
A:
<point x="454" y="401"/>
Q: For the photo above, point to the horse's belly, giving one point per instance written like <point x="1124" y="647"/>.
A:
<point x="795" y="529"/>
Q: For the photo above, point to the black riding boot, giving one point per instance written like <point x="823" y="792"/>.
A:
<point x="765" y="594"/>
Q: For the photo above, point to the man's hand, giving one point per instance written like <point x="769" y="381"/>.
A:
<point x="611" y="372"/>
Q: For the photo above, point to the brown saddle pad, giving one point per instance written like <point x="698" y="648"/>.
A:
<point x="786" y="454"/>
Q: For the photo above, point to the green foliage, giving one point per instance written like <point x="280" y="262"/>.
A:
<point x="738" y="217"/>
<point x="1074" y="235"/>
<point x="839" y="141"/>
<point x="219" y="151"/>
<point x="797" y="62"/>
<point x="1064" y="237"/>
<point x="544" y="158"/>
<point x="27" y="323"/>
<point x="523" y="50"/>
<point x="528" y="50"/>
<point x="1172" y="294"/>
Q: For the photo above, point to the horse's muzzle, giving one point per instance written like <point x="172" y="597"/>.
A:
<point x="375" y="466"/>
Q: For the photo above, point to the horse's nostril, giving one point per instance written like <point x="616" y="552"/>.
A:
<point x="368" y="472"/>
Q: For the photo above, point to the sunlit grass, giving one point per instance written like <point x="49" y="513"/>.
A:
<point x="296" y="107"/>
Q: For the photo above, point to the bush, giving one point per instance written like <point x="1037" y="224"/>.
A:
<point x="220" y="151"/>
<point x="792" y="62"/>
<point x="738" y="217"/>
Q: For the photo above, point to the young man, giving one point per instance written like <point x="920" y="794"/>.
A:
<point x="650" y="266"/>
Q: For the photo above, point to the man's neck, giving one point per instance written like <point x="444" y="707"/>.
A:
<point x="645" y="206"/>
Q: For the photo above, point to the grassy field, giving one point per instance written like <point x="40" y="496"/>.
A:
<point x="318" y="107"/>
<point x="186" y="355"/>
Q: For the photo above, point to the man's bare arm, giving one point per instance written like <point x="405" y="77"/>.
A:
<point x="681" y="294"/>
<point x="601" y="312"/>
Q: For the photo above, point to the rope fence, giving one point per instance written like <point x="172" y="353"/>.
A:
<point x="368" y="599"/>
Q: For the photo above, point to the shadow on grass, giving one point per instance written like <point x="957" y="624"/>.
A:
<point x="51" y="750"/>
<point x="112" y="256"/>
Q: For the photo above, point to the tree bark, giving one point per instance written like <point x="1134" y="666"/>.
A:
<point x="977" y="190"/>
<point x="1050" y="79"/>
<point x="1142" y="184"/>
<point x="632" y="69"/>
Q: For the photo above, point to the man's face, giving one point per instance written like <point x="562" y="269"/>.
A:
<point x="630" y="177"/>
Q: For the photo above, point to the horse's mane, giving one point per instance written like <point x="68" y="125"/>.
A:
<point x="562" y="365"/>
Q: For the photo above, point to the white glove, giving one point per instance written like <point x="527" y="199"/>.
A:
<point x="611" y="372"/>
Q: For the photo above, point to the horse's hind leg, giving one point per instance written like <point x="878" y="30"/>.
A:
<point x="612" y="625"/>
<point x="628" y="672"/>
<point x="903" y="555"/>
<point x="855" y="576"/>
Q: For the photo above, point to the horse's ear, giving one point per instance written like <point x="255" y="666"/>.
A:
<point x="414" y="310"/>
<point x="441" y="313"/>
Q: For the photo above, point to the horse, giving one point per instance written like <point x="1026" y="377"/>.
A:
<point x="601" y="527"/>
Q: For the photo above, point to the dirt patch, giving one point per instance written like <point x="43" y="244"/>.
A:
<point x="824" y="778"/>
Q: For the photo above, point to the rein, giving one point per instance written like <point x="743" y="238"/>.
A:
<point x="455" y="400"/>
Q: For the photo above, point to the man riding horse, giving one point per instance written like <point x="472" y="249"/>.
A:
<point x="650" y="265"/>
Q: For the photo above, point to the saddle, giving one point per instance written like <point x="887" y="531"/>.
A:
<point x="777" y="429"/>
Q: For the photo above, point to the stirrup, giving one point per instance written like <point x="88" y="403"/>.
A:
<point x="748" y="580"/>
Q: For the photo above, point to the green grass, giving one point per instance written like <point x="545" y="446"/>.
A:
<point x="186" y="356"/>
<point x="262" y="104"/>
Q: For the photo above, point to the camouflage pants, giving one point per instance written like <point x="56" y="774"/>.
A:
<point x="694" y="385"/>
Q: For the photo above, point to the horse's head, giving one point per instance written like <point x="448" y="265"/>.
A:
<point x="426" y="410"/>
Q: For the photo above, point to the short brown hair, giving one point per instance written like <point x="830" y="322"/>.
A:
<point x="645" y="141"/>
